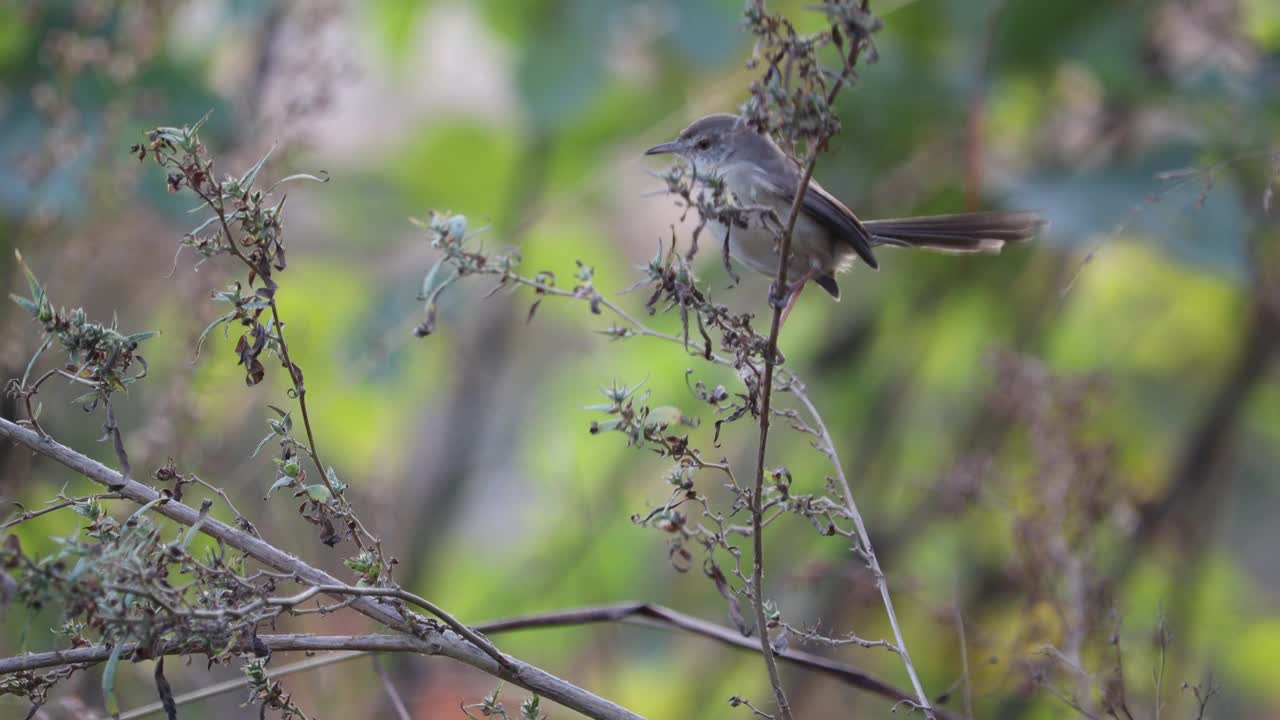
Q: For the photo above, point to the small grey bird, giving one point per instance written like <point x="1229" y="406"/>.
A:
<point x="827" y="235"/>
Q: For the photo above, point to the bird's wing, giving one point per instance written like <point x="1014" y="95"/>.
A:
<point x="823" y="207"/>
<point x="837" y="218"/>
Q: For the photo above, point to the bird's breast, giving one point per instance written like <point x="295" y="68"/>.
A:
<point x="756" y="245"/>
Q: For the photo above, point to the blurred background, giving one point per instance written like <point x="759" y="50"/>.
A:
<point x="1073" y="444"/>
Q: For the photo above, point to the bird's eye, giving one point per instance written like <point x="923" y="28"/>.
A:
<point x="703" y="144"/>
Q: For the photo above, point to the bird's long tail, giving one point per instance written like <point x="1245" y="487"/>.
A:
<point x="980" y="232"/>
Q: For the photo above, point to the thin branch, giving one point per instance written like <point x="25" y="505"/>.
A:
<point x="26" y="515"/>
<point x="864" y="540"/>
<point x="300" y="390"/>
<point x="448" y="644"/>
<point x="215" y="203"/>
<point x="777" y="299"/>
<point x="642" y="614"/>
<point x="221" y="688"/>
<point x="397" y="702"/>
<point x="400" y="594"/>
<point x="964" y="652"/>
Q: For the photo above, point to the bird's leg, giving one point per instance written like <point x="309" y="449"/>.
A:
<point x="792" y="296"/>
<point x="788" y="301"/>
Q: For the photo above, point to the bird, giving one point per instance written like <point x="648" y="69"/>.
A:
<point x="828" y="238"/>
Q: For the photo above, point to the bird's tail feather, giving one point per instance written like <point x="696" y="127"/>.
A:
<point x="980" y="232"/>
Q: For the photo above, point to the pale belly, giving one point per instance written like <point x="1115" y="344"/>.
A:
<point x="755" y="246"/>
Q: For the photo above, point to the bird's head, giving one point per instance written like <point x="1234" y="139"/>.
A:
<point x="707" y="143"/>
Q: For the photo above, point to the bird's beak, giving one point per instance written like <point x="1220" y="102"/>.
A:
<point x="666" y="147"/>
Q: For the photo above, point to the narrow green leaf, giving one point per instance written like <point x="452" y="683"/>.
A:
<point x="109" y="680"/>
<point x="246" y="180"/>
<point x="92" y="395"/>
<point x="263" y="442"/>
<point x="115" y="382"/>
<point x="281" y="482"/>
<point x="323" y="177"/>
<point x="139" y="337"/>
<point x="200" y="123"/>
<point x="200" y="341"/>
<point x="25" y="304"/>
<point x="429" y="280"/>
<point x="142" y="510"/>
<point x="338" y="485"/>
<point x="200" y="228"/>
<point x="32" y="282"/>
<point x="531" y="708"/>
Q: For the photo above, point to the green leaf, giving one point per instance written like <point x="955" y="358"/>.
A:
<point x="200" y="228"/>
<point x="85" y="398"/>
<point x="25" y="304"/>
<point x="289" y="467"/>
<point x="286" y="417"/>
<point x="281" y="482"/>
<point x="263" y="442"/>
<point x="323" y="177"/>
<point x="26" y="374"/>
<point x="246" y="180"/>
<point x="199" y="124"/>
<point x="530" y="708"/>
<point x="429" y="281"/>
<point x="143" y="510"/>
<point x="319" y="493"/>
<point x="115" y="382"/>
<point x="109" y="680"/>
<point x="200" y="340"/>
<point x="32" y="282"/>
<point x="338" y="485"/>
<point x="139" y="337"/>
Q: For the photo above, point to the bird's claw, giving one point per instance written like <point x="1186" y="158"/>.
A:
<point x="777" y="300"/>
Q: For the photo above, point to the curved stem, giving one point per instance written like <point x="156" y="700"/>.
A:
<point x="864" y="540"/>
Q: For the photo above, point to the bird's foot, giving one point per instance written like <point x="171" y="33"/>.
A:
<point x="783" y="301"/>
<point x="777" y="300"/>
